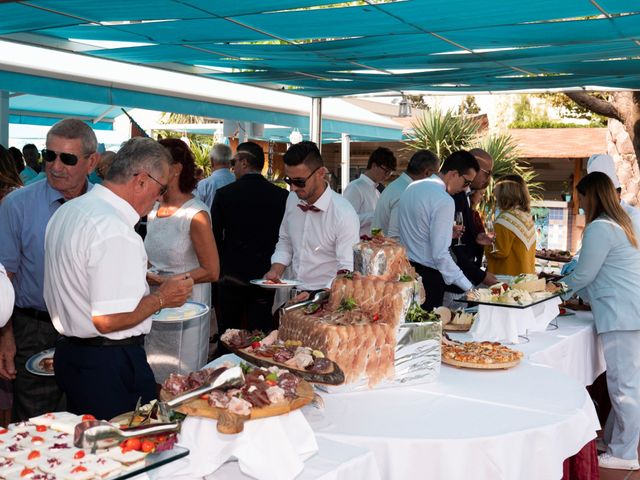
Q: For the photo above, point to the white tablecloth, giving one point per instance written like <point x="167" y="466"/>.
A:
<point x="574" y="348"/>
<point x="334" y="461"/>
<point x="515" y="424"/>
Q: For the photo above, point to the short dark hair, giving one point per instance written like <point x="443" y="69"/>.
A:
<point x="73" y="128"/>
<point x="383" y="157"/>
<point x="304" y="152"/>
<point x="421" y="161"/>
<point x="460" y="161"/>
<point x="16" y="154"/>
<point x="180" y="153"/>
<point x="31" y="153"/>
<point x="256" y="159"/>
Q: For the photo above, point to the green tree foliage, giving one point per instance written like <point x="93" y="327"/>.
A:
<point x="442" y="132"/>
<point x="570" y="109"/>
<point x="468" y="106"/>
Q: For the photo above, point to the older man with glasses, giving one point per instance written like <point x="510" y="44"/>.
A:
<point x="363" y="192"/>
<point x="70" y="155"/>
<point x="95" y="285"/>
<point x="319" y="228"/>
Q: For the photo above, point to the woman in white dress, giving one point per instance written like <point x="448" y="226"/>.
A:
<point x="180" y="242"/>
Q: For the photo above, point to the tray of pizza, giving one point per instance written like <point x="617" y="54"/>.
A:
<point x="266" y="392"/>
<point x="479" y="355"/>
<point x="267" y="351"/>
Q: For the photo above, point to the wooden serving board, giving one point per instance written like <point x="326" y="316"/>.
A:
<point x="230" y="422"/>
<point x="480" y="366"/>
<point x="450" y="327"/>
<point x="334" y="377"/>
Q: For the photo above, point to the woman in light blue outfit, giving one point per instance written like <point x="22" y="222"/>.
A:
<point x="608" y="276"/>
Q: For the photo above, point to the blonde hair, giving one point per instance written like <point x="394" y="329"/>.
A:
<point x="602" y="199"/>
<point x="511" y="192"/>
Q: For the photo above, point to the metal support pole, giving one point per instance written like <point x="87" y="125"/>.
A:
<point x="4" y="118"/>
<point x="345" y="161"/>
<point x="315" y="122"/>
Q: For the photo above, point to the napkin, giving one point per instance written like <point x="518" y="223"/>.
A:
<point x="272" y="448"/>
<point x="504" y="324"/>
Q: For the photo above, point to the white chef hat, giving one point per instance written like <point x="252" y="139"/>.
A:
<point x="601" y="162"/>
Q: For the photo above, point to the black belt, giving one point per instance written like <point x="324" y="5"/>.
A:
<point x="41" y="316"/>
<point x="105" y="342"/>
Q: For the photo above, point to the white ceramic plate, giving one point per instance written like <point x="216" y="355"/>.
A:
<point x="33" y="364"/>
<point x="188" y="311"/>
<point x="261" y="282"/>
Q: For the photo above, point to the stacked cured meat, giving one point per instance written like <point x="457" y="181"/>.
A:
<point x="358" y="327"/>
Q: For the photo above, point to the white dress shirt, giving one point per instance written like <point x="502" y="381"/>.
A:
<point x="95" y="264"/>
<point x="363" y="194"/>
<point x="426" y="216"/>
<point x="317" y="244"/>
<point x="7" y="297"/>
<point x="386" y="213"/>
<point x="207" y="188"/>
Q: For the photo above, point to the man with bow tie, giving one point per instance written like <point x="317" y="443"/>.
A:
<point x="319" y="228"/>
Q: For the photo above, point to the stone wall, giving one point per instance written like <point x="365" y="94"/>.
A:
<point x="620" y="148"/>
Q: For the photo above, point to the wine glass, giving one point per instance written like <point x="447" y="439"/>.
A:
<point x="491" y="233"/>
<point x="460" y="222"/>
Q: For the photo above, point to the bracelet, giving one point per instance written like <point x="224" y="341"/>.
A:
<point x="160" y="300"/>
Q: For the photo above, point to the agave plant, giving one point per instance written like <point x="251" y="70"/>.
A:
<point x="504" y="152"/>
<point x="442" y="132"/>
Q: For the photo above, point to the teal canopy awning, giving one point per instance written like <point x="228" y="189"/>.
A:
<point x="319" y="48"/>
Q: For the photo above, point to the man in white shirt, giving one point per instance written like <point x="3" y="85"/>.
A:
<point x="363" y="192"/>
<point x="95" y="285"/>
<point x="7" y="297"/>
<point x="426" y="215"/>
<point x="319" y="228"/>
<point x="422" y="165"/>
<point x="221" y="174"/>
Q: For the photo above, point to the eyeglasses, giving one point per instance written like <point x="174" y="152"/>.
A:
<point x="467" y="182"/>
<point x="299" y="182"/>
<point x="66" y="158"/>
<point x="163" y="187"/>
<point x="488" y="172"/>
<point x="388" y="172"/>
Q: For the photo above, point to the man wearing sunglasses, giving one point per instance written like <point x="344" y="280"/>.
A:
<point x="426" y="214"/>
<point x="69" y="157"/>
<point x="95" y="285"/>
<point x="363" y="192"/>
<point x="319" y="228"/>
<point x="469" y="254"/>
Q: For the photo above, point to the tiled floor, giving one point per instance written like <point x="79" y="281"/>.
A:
<point x="608" y="474"/>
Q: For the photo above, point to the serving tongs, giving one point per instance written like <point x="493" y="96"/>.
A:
<point x="319" y="297"/>
<point x="98" y="434"/>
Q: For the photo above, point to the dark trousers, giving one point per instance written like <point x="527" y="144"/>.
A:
<point x="434" y="286"/>
<point x="33" y="395"/>
<point x="103" y="381"/>
<point x="247" y="307"/>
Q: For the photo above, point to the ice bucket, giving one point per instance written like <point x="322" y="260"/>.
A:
<point x="179" y="340"/>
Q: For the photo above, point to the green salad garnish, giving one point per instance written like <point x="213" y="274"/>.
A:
<point x="347" y="304"/>
<point x="405" y="278"/>
<point x="416" y="314"/>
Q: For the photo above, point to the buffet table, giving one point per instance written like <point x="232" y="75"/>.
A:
<point x="574" y="348"/>
<point x="520" y="423"/>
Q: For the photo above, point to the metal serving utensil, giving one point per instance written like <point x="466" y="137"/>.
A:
<point x="98" y="434"/>
<point x="230" y="378"/>
<point x="319" y="297"/>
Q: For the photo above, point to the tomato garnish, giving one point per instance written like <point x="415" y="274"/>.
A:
<point x="271" y="383"/>
<point x="133" y="444"/>
<point x="88" y="416"/>
<point x="78" y="469"/>
<point x="376" y="317"/>
<point x="255" y="345"/>
<point x="37" y="439"/>
<point x="3" y="431"/>
<point x="26" y="471"/>
<point x="33" y="454"/>
<point x="79" y="454"/>
<point x="161" y="438"/>
<point x="148" y="446"/>
<point x="41" y="428"/>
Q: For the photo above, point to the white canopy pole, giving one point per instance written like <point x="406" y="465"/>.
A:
<point x="345" y="161"/>
<point x="315" y="122"/>
<point x="4" y="118"/>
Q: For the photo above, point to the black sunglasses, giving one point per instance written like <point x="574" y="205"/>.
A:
<point x="163" y="186"/>
<point x="66" y="158"/>
<point x="299" y="182"/>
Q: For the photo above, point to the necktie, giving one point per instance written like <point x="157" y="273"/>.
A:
<point x="307" y="208"/>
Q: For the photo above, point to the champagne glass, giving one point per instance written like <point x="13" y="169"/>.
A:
<point x="491" y="233"/>
<point x="460" y="222"/>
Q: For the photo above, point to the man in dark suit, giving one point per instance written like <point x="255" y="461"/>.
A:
<point x="469" y="255"/>
<point x="246" y="217"/>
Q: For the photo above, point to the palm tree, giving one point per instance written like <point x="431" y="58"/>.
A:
<point x="442" y="132"/>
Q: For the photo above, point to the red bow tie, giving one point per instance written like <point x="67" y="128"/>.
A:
<point x="307" y="208"/>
